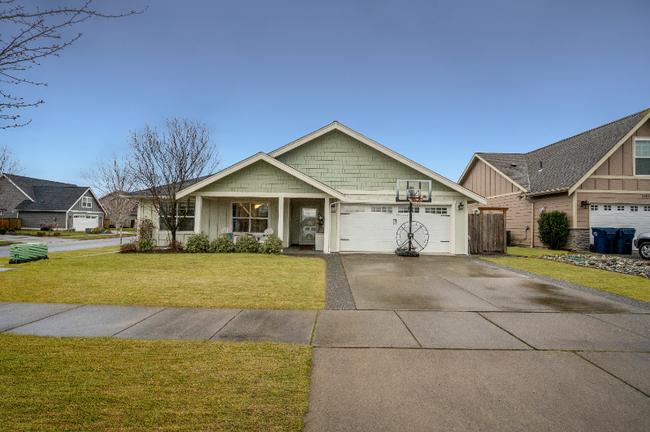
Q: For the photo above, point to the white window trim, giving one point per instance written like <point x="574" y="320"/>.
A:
<point x="86" y="202"/>
<point x="268" y="218"/>
<point x="162" y="230"/>
<point x="634" y="156"/>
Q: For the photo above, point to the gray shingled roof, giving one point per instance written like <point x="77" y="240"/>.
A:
<point x="162" y="189"/>
<point x="47" y="195"/>
<point x="565" y="162"/>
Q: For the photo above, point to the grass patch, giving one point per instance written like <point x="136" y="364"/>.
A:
<point x="79" y="384"/>
<point x="7" y="243"/>
<point x="625" y="285"/>
<point x="533" y="252"/>
<point x="232" y="281"/>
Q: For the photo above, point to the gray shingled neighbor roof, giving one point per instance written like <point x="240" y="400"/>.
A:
<point x="565" y="162"/>
<point x="47" y="195"/>
<point x="162" y="189"/>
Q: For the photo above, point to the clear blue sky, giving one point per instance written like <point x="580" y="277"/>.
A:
<point x="433" y="80"/>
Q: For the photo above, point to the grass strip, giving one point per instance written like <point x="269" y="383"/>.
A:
<point x="79" y="384"/>
<point x="533" y="252"/>
<point x="625" y="285"/>
<point x="231" y="281"/>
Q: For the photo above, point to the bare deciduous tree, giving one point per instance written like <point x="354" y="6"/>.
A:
<point x="9" y="164"/>
<point x="112" y="178"/>
<point x="27" y="37"/>
<point x="166" y="162"/>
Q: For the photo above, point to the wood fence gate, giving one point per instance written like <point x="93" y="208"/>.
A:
<point x="12" y="224"/>
<point x="487" y="233"/>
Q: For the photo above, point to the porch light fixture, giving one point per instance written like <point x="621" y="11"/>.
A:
<point x="584" y="204"/>
<point x="461" y="206"/>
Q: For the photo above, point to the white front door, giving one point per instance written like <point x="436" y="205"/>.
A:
<point x="81" y="222"/>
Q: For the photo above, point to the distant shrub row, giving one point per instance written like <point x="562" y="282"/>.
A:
<point x="199" y="243"/>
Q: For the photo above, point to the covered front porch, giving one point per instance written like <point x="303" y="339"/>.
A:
<point x="297" y="219"/>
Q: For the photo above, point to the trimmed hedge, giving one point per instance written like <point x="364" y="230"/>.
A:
<point x="553" y="229"/>
<point x="247" y="244"/>
<point x="197" y="243"/>
<point x="222" y="244"/>
<point x="272" y="245"/>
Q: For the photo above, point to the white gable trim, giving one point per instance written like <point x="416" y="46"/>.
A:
<point x="266" y="158"/>
<point x="93" y="194"/>
<point x="385" y="150"/>
<point x="476" y="156"/>
<point x="16" y="186"/>
<point x="609" y="153"/>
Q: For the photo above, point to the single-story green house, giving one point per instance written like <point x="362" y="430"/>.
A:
<point x="334" y="189"/>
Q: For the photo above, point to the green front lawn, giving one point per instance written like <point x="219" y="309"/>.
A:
<point x="79" y="384"/>
<point x="533" y="252"/>
<point x="231" y="281"/>
<point x="629" y="286"/>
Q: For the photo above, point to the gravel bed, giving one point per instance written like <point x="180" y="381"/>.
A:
<point x="614" y="263"/>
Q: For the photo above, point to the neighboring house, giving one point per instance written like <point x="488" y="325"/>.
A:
<point x="37" y="202"/>
<point x="130" y="220"/>
<point x="599" y="178"/>
<point x="334" y="189"/>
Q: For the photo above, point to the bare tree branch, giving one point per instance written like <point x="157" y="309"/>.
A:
<point x="9" y="164"/>
<point x="166" y="162"/>
<point x="36" y="35"/>
<point x="111" y="179"/>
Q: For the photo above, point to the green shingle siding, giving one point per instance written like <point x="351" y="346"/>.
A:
<point x="351" y="164"/>
<point x="260" y="177"/>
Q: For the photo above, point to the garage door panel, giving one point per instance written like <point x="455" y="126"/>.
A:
<point x="81" y="222"/>
<point x="366" y="231"/>
<point x="603" y="217"/>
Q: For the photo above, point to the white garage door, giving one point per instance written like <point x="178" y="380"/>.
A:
<point x="81" y="222"/>
<point x="620" y="216"/>
<point x="373" y="228"/>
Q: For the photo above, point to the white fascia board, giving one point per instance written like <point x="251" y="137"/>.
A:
<point x="385" y="150"/>
<point x="16" y="186"/>
<point x="81" y="196"/>
<point x="609" y="153"/>
<point x="266" y="158"/>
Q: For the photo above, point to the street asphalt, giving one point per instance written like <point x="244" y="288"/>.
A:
<point x="436" y="343"/>
<point x="60" y="244"/>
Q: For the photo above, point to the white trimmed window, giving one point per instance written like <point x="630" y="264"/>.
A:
<point x="86" y="202"/>
<point x="646" y="208"/>
<point x="594" y="207"/>
<point x="250" y="217"/>
<point x="381" y="209"/>
<point x="642" y="156"/>
<point x="184" y="208"/>
<point x="607" y="207"/>
<point x="405" y="209"/>
<point x="436" y="210"/>
<point x="634" y="208"/>
<point x="620" y="208"/>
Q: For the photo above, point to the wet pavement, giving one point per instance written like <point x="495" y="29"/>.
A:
<point x="438" y="343"/>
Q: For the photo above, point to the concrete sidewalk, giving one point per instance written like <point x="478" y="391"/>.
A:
<point x="416" y="370"/>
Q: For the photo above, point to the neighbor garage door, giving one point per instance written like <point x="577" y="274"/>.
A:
<point x="620" y="216"/>
<point x="81" y="222"/>
<point x="372" y="228"/>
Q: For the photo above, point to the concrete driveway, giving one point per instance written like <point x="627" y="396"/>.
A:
<point x="453" y="343"/>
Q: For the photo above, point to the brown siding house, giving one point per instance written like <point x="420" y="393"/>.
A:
<point x="599" y="178"/>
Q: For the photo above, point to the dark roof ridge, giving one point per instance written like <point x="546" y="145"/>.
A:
<point x="644" y="111"/>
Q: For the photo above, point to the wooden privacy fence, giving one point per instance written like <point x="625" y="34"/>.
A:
<point x="487" y="233"/>
<point x="13" y="224"/>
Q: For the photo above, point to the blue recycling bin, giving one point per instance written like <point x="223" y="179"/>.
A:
<point x="624" y="239"/>
<point x="604" y="240"/>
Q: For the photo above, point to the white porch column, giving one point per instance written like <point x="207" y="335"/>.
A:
<point x="326" y="222"/>
<point x="198" y="209"/>
<point x="281" y="218"/>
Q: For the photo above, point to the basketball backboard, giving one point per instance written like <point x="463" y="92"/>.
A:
<point x="413" y="190"/>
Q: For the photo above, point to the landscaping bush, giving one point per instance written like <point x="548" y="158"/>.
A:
<point x="145" y="230"/>
<point x="145" y="246"/>
<point x="129" y="248"/>
<point x="553" y="229"/>
<point x="40" y="234"/>
<point x="222" y="244"/>
<point x="56" y="234"/>
<point x="247" y="244"/>
<point x="197" y="243"/>
<point x="97" y="230"/>
<point x="3" y="231"/>
<point x="175" y="245"/>
<point x="272" y="245"/>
